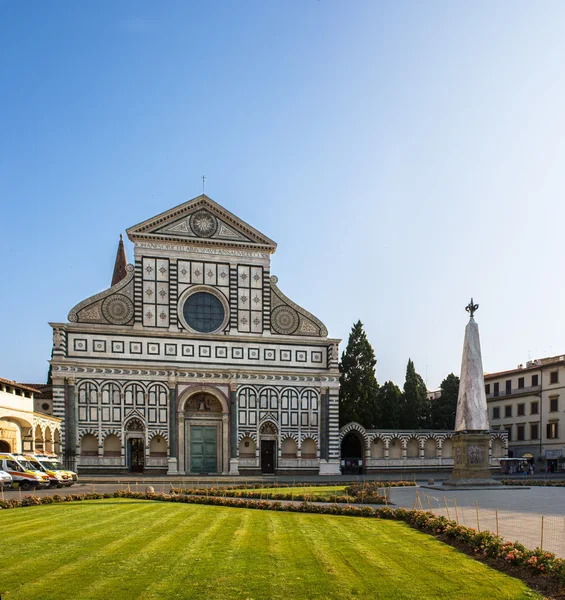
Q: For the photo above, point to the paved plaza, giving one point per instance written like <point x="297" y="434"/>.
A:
<point x="515" y="513"/>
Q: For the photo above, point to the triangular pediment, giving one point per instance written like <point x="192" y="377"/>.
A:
<point x="201" y="221"/>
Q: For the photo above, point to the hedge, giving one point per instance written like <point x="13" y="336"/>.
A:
<point x="534" y="482"/>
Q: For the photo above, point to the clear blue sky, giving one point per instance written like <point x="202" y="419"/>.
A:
<point x="404" y="155"/>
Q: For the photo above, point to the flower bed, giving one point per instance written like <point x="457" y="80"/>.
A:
<point x="484" y="544"/>
<point x="372" y="484"/>
<point x="534" y="482"/>
<point x="365" y="498"/>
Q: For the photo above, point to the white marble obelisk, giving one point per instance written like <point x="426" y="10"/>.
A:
<point x="472" y="437"/>
<point x="472" y="413"/>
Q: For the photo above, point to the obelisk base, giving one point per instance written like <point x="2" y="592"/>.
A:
<point x="471" y="462"/>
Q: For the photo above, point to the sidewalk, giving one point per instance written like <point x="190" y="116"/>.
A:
<point x="418" y="477"/>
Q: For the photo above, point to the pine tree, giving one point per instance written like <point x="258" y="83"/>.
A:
<point x="445" y="407"/>
<point x="390" y="399"/>
<point x="415" y="413"/>
<point x="358" y="392"/>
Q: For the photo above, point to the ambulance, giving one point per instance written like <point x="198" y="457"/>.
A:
<point x="58" y="477"/>
<point x="56" y="464"/>
<point x="24" y="475"/>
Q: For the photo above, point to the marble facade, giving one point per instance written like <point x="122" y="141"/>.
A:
<point x="142" y="382"/>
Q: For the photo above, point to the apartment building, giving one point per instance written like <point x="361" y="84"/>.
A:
<point x="529" y="404"/>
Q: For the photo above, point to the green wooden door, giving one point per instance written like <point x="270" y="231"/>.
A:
<point x="203" y="455"/>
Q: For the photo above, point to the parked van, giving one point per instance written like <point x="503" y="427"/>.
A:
<point x="5" y="480"/>
<point x="23" y="474"/>
<point x="56" y="465"/>
<point x="57" y="477"/>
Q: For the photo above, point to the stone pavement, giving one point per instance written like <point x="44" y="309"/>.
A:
<point x="515" y="513"/>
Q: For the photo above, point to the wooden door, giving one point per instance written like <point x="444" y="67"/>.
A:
<point x="267" y="456"/>
<point x="203" y="449"/>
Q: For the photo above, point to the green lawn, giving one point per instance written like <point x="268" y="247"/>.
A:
<point x="125" y="549"/>
<point x="316" y="490"/>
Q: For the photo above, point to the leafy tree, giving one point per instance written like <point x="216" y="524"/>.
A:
<point x="358" y="392"/>
<point x="445" y="407"/>
<point x="390" y="399"/>
<point x="415" y="413"/>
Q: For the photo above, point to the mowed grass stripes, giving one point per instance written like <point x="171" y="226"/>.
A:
<point x="124" y="549"/>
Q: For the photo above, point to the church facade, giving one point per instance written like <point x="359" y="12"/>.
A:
<point x="194" y="361"/>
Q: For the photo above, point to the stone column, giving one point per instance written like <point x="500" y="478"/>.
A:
<point x="234" y="469"/>
<point x="332" y="465"/>
<point x="180" y="448"/>
<point x="70" y="424"/>
<point x="324" y="424"/>
<point x="225" y="444"/>
<point x="173" y="429"/>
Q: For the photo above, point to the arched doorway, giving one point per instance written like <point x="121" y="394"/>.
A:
<point x="203" y="417"/>
<point x="268" y="433"/>
<point x="135" y="445"/>
<point x="4" y="446"/>
<point x="352" y="454"/>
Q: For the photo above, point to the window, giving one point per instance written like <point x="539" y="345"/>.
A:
<point x="509" y="386"/>
<point x="509" y="432"/>
<point x="496" y="389"/>
<point x="496" y="412"/>
<point x="521" y="410"/>
<point x="521" y="433"/>
<point x="203" y="312"/>
<point x="508" y="410"/>
<point x="487" y="389"/>
<point x="554" y="404"/>
<point x="534" y="408"/>
<point x="552" y="431"/>
<point x="520" y="383"/>
<point x="535" y="380"/>
<point x="554" y="377"/>
<point x="534" y="431"/>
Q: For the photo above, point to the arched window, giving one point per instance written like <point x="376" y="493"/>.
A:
<point x="89" y="445"/>
<point x="110" y="393"/>
<point x="377" y="448"/>
<point x="447" y="448"/>
<point x="430" y="448"/>
<point x="497" y="448"/>
<point x="87" y="393"/>
<point x="288" y="448"/>
<point x="247" y="448"/>
<point x="134" y="394"/>
<point x="112" y="445"/>
<point x="158" y="446"/>
<point x="308" y="449"/>
<point x="39" y="441"/>
<point x="268" y="399"/>
<point x="413" y="449"/>
<point x="395" y="448"/>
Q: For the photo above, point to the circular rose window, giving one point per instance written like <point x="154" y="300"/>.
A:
<point x="203" y="312"/>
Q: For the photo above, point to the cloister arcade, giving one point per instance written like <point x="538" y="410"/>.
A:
<point x="366" y="450"/>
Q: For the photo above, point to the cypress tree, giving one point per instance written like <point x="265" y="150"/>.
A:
<point x="390" y="399"/>
<point x="358" y="392"/>
<point x="415" y="403"/>
<point x="445" y="407"/>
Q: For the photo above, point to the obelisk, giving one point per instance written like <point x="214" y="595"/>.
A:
<point x="472" y="437"/>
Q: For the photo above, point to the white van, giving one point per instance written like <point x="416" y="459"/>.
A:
<point x="23" y="474"/>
